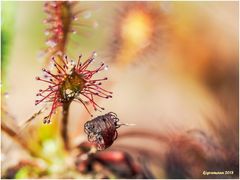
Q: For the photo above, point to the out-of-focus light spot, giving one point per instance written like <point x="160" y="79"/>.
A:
<point x="49" y="147"/>
<point x="137" y="28"/>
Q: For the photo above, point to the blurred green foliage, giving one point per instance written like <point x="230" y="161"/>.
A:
<point x="7" y="30"/>
<point x="27" y="171"/>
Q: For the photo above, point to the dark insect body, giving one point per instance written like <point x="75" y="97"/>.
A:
<point x="102" y="130"/>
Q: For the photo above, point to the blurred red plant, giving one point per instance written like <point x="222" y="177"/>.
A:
<point x="62" y="20"/>
<point x="59" y="19"/>
<point x="138" y="29"/>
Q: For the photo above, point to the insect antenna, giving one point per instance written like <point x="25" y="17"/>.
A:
<point x="124" y="124"/>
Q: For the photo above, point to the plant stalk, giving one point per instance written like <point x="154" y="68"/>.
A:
<point x="64" y="128"/>
<point x="19" y="140"/>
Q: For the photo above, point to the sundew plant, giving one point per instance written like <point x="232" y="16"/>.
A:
<point x="120" y="90"/>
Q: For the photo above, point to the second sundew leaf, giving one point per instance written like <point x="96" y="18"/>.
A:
<point x="65" y="22"/>
<point x="60" y="24"/>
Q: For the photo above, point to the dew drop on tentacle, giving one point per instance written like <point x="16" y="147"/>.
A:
<point x="94" y="54"/>
<point x="51" y="43"/>
<point x="40" y="55"/>
<point x="46" y="33"/>
<point x="72" y="62"/>
<point x="51" y="66"/>
<point x="46" y="120"/>
<point x="106" y="67"/>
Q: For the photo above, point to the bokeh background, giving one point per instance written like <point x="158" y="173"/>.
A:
<point x="173" y="67"/>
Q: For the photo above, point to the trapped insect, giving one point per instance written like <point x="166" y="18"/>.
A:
<point x="102" y="130"/>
